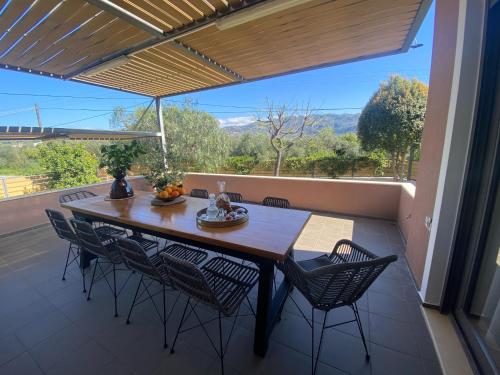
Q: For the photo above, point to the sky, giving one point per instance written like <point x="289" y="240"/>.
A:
<point x="338" y="89"/>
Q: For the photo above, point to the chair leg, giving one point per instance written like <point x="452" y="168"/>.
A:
<point x="312" y="340"/>
<point x="92" y="280"/>
<point x="114" y="290"/>
<point x="83" y="279"/>
<point x="180" y="326"/>
<point x="135" y="297"/>
<point x="67" y="259"/>
<point x="360" y="327"/>
<point x="221" y="348"/>
<point x="320" y="342"/>
<point x="164" y="319"/>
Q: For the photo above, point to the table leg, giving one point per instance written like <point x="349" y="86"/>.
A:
<point x="263" y="320"/>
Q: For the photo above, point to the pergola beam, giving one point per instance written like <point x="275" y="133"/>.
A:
<point x="127" y="16"/>
<point x="159" y="38"/>
<point x="206" y="60"/>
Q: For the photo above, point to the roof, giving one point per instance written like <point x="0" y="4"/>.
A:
<point x="21" y="133"/>
<point x="163" y="48"/>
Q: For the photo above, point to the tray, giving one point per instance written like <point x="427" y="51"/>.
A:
<point x="222" y="223"/>
<point x="107" y="198"/>
<point x="160" y="202"/>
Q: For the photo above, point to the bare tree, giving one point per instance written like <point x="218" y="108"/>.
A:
<point x="284" y="127"/>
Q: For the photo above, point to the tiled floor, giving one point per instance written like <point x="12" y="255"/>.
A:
<point x="48" y="327"/>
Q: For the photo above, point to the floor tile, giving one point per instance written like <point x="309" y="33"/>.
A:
<point x="10" y="347"/>
<point x="49" y="326"/>
<point x="388" y="362"/>
<point x="21" y="365"/>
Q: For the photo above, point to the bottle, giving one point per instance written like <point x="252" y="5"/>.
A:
<point x="212" y="209"/>
<point x="223" y="202"/>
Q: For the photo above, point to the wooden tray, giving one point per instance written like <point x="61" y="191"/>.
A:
<point x="159" y="202"/>
<point x="222" y="223"/>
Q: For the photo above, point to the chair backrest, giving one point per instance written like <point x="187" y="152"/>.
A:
<point x="188" y="278"/>
<point x="337" y="284"/>
<point x="88" y="239"/>
<point x="235" y="197"/>
<point x="136" y="259"/>
<point x="276" y="202"/>
<point x="61" y="225"/>
<point x="75" y="196"/>
<point x="199" y="193"/>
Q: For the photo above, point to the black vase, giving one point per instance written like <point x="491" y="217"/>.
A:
<point x="121" y="188"/>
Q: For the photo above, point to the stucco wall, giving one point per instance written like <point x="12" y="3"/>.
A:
<point x="443" y="58"/>
<point x="29" y="211"/>
<point x="363" y="198"/>
<point x="405" y="209"/>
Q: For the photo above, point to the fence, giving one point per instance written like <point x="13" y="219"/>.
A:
<point x="12" y="186"/>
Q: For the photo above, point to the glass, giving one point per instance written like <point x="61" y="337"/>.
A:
<point x="223" y="201"/>
<point x="484" y="310"/>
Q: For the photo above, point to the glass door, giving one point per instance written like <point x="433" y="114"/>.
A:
<point x="473" y="285"/>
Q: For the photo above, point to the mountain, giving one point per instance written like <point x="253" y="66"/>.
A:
<point x="340" y="123"/>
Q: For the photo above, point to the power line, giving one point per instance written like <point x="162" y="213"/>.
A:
<point x="91" y="117"/>
<point x="68" y="96"/>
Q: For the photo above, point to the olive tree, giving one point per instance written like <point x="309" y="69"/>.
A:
<point x="393" y="119"/>
<point x="194" y="139"/>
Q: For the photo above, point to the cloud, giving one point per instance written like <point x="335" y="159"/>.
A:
<point x="236" y="121"/>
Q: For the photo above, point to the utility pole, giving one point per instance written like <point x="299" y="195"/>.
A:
<point x="38" y="116"/>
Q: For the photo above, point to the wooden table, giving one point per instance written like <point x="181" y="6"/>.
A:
<point x="268" y="236"/>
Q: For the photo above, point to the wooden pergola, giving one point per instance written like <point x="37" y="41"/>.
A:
<point x="160" y="48"/>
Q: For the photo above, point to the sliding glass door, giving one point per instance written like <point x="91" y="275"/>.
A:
<point x="473" y="287"/>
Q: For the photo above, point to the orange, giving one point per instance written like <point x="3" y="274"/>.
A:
<point x="164" y="194"/>
<point x="175" y="194"/>
<point x="168" y="190"/>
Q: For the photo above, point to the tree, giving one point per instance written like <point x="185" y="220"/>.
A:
<point x="284" y="127"/>
<point x="194" y="140"/>
<point x="68" y="164"/>
<point x="393" y="120"/>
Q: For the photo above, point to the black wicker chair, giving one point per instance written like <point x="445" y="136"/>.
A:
<point x="220" y="284"/>
<point x="76" y="196"/>
<point x="199" y="193"/>
<point x="235" y="197"/>
<point x="330" y="282"/>
<point x="64" y="231"/>
<point x="276" y="202"/>
<point x="152" y="269"/>
<point x="104" y="231"/>
<point x="105" y="253"/>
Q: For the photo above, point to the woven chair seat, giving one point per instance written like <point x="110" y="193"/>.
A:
<point x="145" y="243"/>
<point x="321" y="261"/>
<point x="229" y="281"/>
<point x="105" y="232"/>
<point x="312" y="264"/>
<point x="186" y="253"/>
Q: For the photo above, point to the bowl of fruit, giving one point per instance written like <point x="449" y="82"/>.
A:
<point x="169" y="192"/>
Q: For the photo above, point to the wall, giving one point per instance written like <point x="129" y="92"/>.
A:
<point x="28" y="211"/>
<point x="363" y="198"/>
<point x="405" y="210"/>
<point x="443" y="59"/>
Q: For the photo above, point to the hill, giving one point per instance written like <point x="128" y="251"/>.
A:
<point x="339" y="123"/>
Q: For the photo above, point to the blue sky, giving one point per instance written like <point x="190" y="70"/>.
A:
<point x="343" y="86"/>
